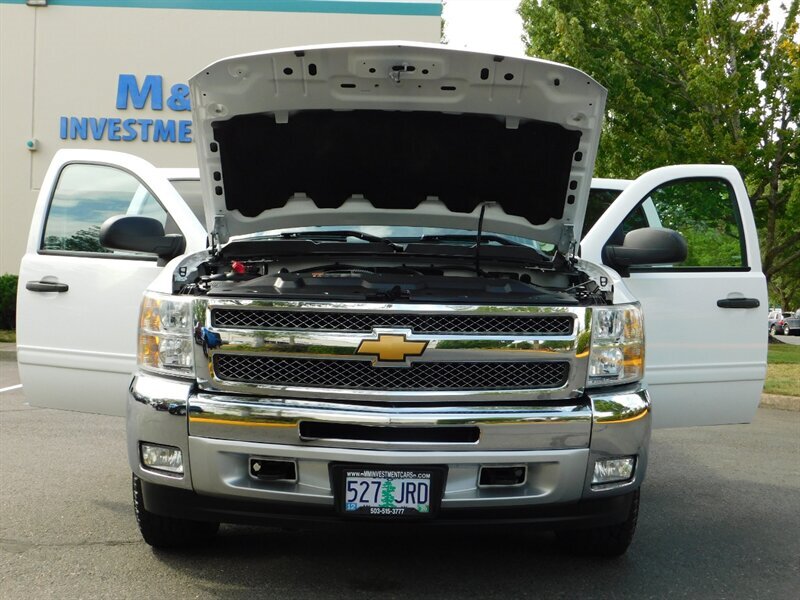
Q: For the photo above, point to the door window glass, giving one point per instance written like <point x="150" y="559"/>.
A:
<point x="87" y="195"/>
<point x="599" y="201"/>
<point x="705" y="213"/>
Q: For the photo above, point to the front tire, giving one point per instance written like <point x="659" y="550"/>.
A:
<point x="609" y="541"/>
<point x="787" y="330"/>
<point x="168" y="532"/>
<point x="772" y="330"/>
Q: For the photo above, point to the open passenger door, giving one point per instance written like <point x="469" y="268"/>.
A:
<point x="704" y="318"/>
<point x="78" y="302"/>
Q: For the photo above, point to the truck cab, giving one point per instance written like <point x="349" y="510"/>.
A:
<point x="393" y="310"/>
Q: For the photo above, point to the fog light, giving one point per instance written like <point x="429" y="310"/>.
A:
<point x="162" y="458"/>
<point x="612" y="470"/>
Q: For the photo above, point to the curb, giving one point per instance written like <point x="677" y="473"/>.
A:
<point x="780" y="402"/>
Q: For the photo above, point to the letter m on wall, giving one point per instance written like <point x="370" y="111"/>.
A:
<point x="128" y="89"/>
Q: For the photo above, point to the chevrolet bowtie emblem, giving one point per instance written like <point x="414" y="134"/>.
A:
<point x="390" y="347"/>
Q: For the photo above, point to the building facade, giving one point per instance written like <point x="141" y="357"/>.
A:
<point x="112" y="75"/>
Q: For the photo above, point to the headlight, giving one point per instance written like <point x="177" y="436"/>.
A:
<point x="617" y="352"/>
<point x="165" y="335"/>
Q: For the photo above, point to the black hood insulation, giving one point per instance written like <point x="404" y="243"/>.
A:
<point x="396" y="159"/>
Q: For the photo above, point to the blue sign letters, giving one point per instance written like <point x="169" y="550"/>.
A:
<point x="150" y="94"/>
<point x="152" y="87"/>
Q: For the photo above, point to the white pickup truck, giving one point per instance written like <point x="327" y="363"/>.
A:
<point x="387" y="305"/>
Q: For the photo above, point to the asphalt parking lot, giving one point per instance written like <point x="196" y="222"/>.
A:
<point x="789" y="339"/>
<point x="720" y="518"/>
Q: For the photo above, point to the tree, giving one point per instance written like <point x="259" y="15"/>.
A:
<point x="692" y="81"/>
<point x="387" y="495"/>
<point x="83" y="240"/>
<point x="442" y="26"/>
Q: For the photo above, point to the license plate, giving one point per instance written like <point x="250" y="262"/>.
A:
<point x="388" y="492"/>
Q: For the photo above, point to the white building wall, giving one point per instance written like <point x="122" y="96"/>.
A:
<point x="65" y="60"/>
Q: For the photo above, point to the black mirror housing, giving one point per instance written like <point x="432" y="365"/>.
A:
<point x="647" y="246"/>
<point x="140" y="234"/>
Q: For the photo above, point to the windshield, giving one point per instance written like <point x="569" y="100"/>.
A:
<point x="192" y="194"/>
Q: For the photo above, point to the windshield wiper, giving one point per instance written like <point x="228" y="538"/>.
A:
<point x="342" y="234"/>
<point x="460" y="237"/>
<point x="493" y="251"/>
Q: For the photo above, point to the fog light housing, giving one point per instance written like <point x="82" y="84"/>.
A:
<point x="161" y="458"/>
<point x="613" y="470"/>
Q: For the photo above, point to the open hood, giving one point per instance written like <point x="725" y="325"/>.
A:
<point x="396" y="134"/>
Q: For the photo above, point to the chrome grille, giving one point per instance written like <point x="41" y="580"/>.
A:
<point x="418" y="323"/>
<point x="359" y="374"/>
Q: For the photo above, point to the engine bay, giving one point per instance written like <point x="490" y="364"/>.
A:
<point x="380" y="270"/>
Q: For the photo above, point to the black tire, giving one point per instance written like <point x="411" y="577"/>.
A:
<point x="786" y="330"/>
<point x="609" y="542"/>
<point x="167" y="532"/>
<point x="772" y="330"/>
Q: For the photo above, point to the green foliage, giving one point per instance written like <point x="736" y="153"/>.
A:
<point x="708" y="81"/>
<point x="8" y="301"/>
<point x="783" y="354"/>
<point x="83" y="240"/>
<point x="703" y="212"/>
<point x="783" y="380"/>
<point x="711" y="248"/>
<point x="783" y="370"/>
<point x="442" y="27"/>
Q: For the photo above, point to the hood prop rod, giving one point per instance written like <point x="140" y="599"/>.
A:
<point x="478" y="271"/>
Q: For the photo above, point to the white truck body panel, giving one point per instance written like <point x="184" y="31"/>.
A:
<point x="77" y="349"/>
<point x="434" y="79"/>
<point x="704" y="364"/>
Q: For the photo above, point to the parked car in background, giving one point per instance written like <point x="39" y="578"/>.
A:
<point x="775" y="321"/>
<point x="790" y="324"/>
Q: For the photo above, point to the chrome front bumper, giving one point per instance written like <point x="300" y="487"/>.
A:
<point x="557" y="442"/>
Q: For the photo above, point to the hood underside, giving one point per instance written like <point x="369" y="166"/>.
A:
<point x="396" y="135"/>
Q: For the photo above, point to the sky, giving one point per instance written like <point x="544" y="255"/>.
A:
<point x="490" y="25"/>
<point x="495" y="26"/>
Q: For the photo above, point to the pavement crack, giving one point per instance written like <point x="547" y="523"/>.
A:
<point x="20" y="546"/>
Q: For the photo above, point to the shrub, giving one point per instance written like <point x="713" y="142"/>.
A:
<point x="8" y="301"/>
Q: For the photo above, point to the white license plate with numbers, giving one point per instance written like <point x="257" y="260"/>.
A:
<point x="387" y="492"/>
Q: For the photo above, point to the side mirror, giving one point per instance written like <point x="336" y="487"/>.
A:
<point x="647" y="246"/>
<point x="141" y="234"/>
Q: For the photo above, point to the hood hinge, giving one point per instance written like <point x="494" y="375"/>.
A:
<point x="219" y="235"/>
<point x="567" y="243"/>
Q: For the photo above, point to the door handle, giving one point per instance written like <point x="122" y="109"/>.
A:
<point x="46" y="286"/>
<point x="738" y="303"/>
